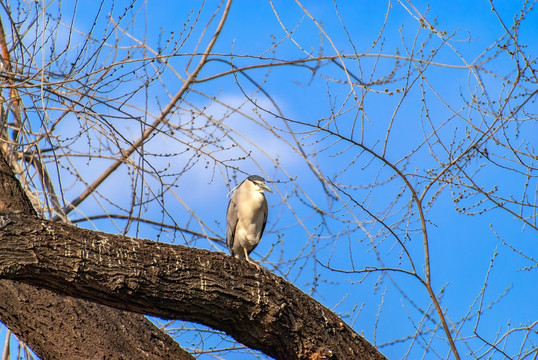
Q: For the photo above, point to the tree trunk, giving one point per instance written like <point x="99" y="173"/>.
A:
<point x="60" y="327"/>
<point x="254" y="306"/>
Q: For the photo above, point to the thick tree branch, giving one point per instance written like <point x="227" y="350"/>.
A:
<point x="59" y="327"/>
<point x="256" y="307"/>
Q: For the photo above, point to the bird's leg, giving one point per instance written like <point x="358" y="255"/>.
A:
<point x="250" y="261"/>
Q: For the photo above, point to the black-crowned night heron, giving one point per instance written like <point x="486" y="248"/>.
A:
<point x="246" y="217"/>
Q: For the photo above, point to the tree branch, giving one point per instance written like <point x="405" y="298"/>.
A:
<point x="59" y="327"/>
<point x="255" y="307"/>
<point x="149" y="130"/>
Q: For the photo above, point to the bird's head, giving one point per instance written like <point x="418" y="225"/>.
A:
<point x="259" y="183"/>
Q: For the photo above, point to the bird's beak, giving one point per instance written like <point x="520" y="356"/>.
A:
<point x="266" y="188"/>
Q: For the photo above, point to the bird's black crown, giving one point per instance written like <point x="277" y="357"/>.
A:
<point x="255" y="178"/>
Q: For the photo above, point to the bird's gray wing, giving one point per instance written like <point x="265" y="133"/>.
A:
<point x="265" y="210"/>
<point x="231" y="223"/>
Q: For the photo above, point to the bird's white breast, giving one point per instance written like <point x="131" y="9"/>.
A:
<point x="249" y="227"/>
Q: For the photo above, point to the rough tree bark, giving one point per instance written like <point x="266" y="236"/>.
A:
<point x="254" y="306"/>
<point x="60" y="327"/>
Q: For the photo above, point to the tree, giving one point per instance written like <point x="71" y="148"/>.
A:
<point x="134" y="122"/>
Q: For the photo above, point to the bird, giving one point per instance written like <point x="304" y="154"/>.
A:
<point x="246" y="217"/>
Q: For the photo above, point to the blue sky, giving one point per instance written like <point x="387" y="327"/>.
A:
<point x="298" y="238"/>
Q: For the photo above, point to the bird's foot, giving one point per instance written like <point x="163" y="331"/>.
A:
<point x="253" y="263"/>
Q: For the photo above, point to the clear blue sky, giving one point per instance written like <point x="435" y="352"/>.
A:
<point x="461" y="246"/>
